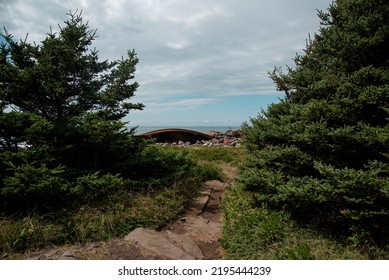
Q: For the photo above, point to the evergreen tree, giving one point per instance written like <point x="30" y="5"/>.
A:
<point x="61" y="113"/>
<point x="322" y="152"/>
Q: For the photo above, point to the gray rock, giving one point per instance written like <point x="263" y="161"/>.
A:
<point x="157" y="243"/>
<point x="67" y="255"/>
<point x="187" y="244"/>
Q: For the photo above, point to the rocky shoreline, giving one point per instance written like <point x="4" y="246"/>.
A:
<point x="230" y="138"/>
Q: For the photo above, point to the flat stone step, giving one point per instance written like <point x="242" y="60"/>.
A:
<point x="167" y="245"/>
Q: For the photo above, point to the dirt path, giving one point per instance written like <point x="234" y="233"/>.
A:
<point x="194" y="236"/>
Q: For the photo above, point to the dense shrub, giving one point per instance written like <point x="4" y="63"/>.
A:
<point x="322" y="152"/>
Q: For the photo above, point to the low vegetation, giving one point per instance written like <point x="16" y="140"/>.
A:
<point x="121" y="208"/>
<point x="257" y="232"/>
<point x="225" y="159"/>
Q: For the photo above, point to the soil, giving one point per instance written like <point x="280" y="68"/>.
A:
<point x="194" y="236"/>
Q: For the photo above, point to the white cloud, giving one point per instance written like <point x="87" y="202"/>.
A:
<point x="194" y="19"/>
<point x="178" y="44"/>
<point x="114" y="9"/>
<point x="194" y="102"/>
<point x="179" y="105"/>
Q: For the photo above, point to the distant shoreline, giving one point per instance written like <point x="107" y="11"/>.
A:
<point x="204" y="129"/>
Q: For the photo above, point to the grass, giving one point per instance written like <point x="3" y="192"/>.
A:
<point x="226" y="159"/>
<point x="218" y="154"/>
<point x="251" y="233"/>
<point x="89" y="224"/>
<point x="154" y="207"/>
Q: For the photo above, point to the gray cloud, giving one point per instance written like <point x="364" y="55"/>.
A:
<point x="191" y="52"/>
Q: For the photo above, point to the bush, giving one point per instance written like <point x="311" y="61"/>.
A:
<point x="32" y="187"/>
<point x="322" y="152"/>
<point x="207" y="171"/>
<point x="159" y="167"/>
<point x="94" y="188"/>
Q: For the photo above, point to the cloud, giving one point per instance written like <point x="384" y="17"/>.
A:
<point x="194" y="102"/>
<point x="178" y="43"/>
<point x="190" y="52"/>
<point x="195" y="18"/>
<point x="179" y="105"/>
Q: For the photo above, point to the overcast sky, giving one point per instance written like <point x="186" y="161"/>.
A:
<point x="201" y="62"/>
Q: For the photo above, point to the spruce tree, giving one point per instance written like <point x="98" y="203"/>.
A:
<point x="61" y="112"/>
<point x="322" y="152"/>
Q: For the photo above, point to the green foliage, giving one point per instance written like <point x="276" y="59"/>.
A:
<point x="160" y="167"/>
<point x="322" y="152"/>
<point x="31" y="180"/>
<point x="96" y="187"/>
<point x="61" y="133"/>
<point x="29" y="232"/>
<point x="258" y="229"/>
<point x="257" y="233"/>
<point x="208" y="171"/>
<point x="301" y="252"/>
<point x="119" y="213"/>
<point x="36" y="186"/>
<point x="345" y="200"/>
<point x="217" y="154"/>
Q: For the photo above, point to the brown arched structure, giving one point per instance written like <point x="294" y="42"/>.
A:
<point x="170" y="135"/>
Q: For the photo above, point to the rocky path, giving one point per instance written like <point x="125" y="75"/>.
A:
<point x="194" y="236"/>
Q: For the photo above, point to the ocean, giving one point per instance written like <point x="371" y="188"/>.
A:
<point x="204" y="129"/>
